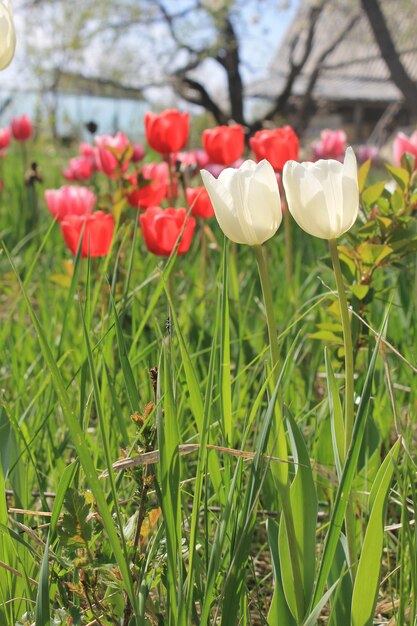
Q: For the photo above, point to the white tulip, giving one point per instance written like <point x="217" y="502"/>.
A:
<point x="323" y="197"/>
<point x="7" y="34"/>
<point x="246" y="201"/>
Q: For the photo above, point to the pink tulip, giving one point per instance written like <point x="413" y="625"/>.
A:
<point x="69" y="200"/>
<point x="5" y="135"/>
<point x="80" y="168"/>
<point x="22" y="128"/>
<point x="366" y="153"/>
<point x="402" y="144"/>
<point x="110" y="153"/>
<point x="332" y="145"/>
<point x="138" y="153"/>
<point x="87" y="150"/>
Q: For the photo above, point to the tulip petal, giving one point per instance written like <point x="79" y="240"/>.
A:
<point x="223" y="204"/>
<point x="264" y="202"/>
<point x="306" y="199"/>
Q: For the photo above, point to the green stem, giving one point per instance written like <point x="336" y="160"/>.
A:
<point x="288" y="246"/>
<point x="347" y="340"/>
<point x="171" y="199"/>
<point x="283" y="481"/>
<point x="349" y="397"/>
<point x="269" y="308"/>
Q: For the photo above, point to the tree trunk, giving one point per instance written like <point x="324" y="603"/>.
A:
<point x="382" y="35"/>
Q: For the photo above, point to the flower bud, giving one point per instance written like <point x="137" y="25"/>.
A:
<point x="323" y="197"/>
<point x="246" y="201"/>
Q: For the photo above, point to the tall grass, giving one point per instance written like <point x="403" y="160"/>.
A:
<point x="135" y="357"/>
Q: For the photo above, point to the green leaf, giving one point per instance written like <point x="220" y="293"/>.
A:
<point x="326" y="335"/>
<point x="304" y="510"/>
<point x="74" y="529"/>
<point x="400" y="175"/>
<point x="363" y="174"/>
<point x="42" y="617"/>
<point x="342" y="494"/>
<point x="360" y="291"/>
<point x="372" y="254"/>
<point x="372" y="194"/>
<point x="279" y="612"/>
<point x="128" y="376"/>
<point x="365" y="592"/>
<point x="336" y="416"/>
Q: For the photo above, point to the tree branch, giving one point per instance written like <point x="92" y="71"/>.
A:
<point x="303" y="115"/>
<point x="295" y="67"/>
<point x="194" y="92"/>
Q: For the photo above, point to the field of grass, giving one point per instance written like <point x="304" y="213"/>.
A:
<point x="163" y="364"/>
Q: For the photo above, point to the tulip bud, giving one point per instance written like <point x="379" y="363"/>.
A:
<point x="168" y="131"/>
<point x="246" y="201"/>
<point x="161" y="229"/>
<point x="7" y="34"/>
<point x="22" y="128"/>
<point x="276" y="146"/>
<point x="224" y="144"/>
<point x="323" y="197"/>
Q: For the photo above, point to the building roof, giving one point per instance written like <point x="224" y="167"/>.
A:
<point x="354" y="70"/>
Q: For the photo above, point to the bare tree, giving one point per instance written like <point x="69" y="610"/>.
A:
<point x="384" y="40"/>
<point x="159" y="43"/>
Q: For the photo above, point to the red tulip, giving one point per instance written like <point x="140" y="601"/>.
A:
<point x="168" y="131"/>
<point x="276" y="146"/>
<point x="162" y="227"/>
<point x="110" y="153"/>
<point x="402" y="144"/>
<point x="160" y="172"/>
<point x="5" y="134"/>
<point x="145" y="193"/>
<point x="70" y="201"/>
<point x="98" y="233"/>
<point x="224" y="144"/>
<point x="21" y="128"/>
<point x="199" y="201"/>
<point x="332" y="145"/>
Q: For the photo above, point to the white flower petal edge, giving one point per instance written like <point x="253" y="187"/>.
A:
<point x="7" y="34"/>
<point x="323" y="197"/>
<point x="246" y="201"/>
